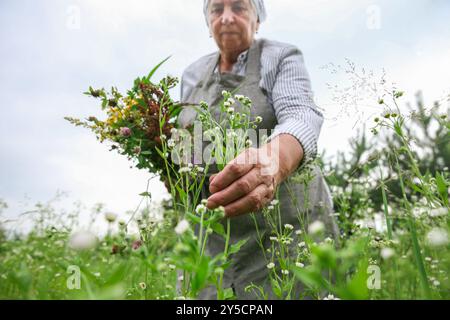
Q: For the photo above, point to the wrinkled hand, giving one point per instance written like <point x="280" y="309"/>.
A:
<point x="246" y="184"/>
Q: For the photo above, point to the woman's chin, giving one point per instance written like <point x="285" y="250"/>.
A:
<point x="230" y="44"/>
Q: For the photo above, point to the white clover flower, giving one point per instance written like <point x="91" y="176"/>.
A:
<point x="285" y="272"/>
<point x="201" y="209"/>
<point x="239" y="97"/>
<point x="82" y="240"/>
<point x="163" y="137"/>
<point x="289" y="226"/>
<point x="258" y="119"/>
<point x="387" y="253"/>
<point x="437" y="237"/>
<point x="316" y="227"/>
<point x="299" y="264"/>
<point x="230" y="110"/>
<point x="225" y="93"/>
<point x="270" y="207"/>
<point x="271" y="265"/>
<point x="110" y="217"/>
<point x="298" y="232"/>
<point x="172" y="267"/>
<point x="182" y="227"/>
<point x="302" y="244"/>
<point x="275" y="239"/>
<point x="428" y="259"/>
<point x="274" y="202"/>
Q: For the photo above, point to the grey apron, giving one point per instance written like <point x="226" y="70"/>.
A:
<point x="249" y="265"/>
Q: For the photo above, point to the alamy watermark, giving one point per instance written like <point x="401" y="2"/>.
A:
<point x="220" y="146"/>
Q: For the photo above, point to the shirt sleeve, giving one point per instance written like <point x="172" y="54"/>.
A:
<point x="293" y="103"/>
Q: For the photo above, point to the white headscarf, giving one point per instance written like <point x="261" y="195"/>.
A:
<point x="259" y="5"/>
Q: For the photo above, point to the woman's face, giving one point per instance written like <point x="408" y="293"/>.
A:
<point x="233" y="24"/>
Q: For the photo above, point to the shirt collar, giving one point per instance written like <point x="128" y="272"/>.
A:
<point x="241" y="60"/>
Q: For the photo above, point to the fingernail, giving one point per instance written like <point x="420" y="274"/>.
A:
<point x="211" y="204"/>
<point x="212" y="188"/>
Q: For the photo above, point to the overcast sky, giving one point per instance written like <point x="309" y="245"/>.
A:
<point x="51" y="51"/>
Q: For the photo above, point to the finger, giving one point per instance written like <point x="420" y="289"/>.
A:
<point x="239" y="166"/>
<point x="211" y="178"/>
<point x="252" y="202"/>
<point x="239" y="188"/>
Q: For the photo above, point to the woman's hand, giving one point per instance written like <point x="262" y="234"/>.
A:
<point x="249" y="182"/>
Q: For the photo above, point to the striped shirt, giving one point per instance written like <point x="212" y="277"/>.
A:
<point x="286" y="82"/>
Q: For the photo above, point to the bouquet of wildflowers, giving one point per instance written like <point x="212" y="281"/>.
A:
<point x="138" y="122"/>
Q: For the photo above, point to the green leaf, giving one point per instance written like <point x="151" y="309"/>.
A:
<point x="218" y="228"/>
<point x="237" y="246"/>
<point x="119" y="273"/>
<point x="146" y="194"/>
<point x="228" y="294"/>
<point x="193" y="218"/>
<point x="310" y="277"/>
<point x="276" y="287"/>
<point x="201" y="274"/>
<point x="156" y="68"/>
<point x="441" y="185"/>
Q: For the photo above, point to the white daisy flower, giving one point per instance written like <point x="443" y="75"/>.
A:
<point x="201" y="209"/>
<point x="274" y="202"/>
<point x="171" y="143"/>
<point x="182" y="227"/>
<point x="110" y="217"/>
<point x="437" y="237"/>
<point x="331" y="297"/>
<point x="82" y="240"/>
<point x="316" y="227"/>
<point x="387" y="253"/>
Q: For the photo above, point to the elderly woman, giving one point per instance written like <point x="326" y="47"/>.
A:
<point x="273" y="75"/>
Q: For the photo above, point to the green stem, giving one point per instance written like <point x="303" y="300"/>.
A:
<point x="416" y="245"/>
